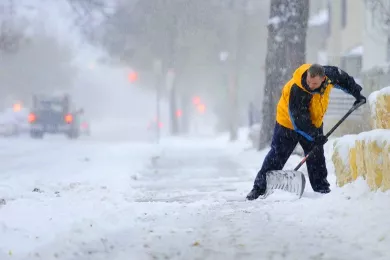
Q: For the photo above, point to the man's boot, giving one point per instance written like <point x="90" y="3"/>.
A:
<point x="323" y="190"/>
<point x="255" y="193"/>
<point x="322" y="187"/>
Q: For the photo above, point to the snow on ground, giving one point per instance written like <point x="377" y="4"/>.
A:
<point x="181" y="200"/>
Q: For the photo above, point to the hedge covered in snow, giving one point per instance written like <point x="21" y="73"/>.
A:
<point x="379" y="102"/>
<point x="367" y="154"/>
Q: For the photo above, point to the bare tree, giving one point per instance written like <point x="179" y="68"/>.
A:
<point x="188" y="36"/>
<point x="286" y="50"/>
<point x="380" y="10"/>
<point x="91" y="13"/>
<point x="11" y="36"/>
<point x="42" y="65"/>
<point x="172" y="31"/>
<point x="11" y="32"/>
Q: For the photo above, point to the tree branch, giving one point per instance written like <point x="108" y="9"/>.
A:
<point x="381" y="11"/>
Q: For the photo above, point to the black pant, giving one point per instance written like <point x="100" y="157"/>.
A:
<point x="283" y="143"/>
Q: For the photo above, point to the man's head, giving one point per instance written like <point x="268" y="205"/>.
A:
<point x="315" y="76"/>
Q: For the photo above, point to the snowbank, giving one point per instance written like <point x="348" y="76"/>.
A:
<point x="367" y="154"/>
<point x="364" y="155"/>
<point x="379" y="102"/>
<point x="343" y="156"/>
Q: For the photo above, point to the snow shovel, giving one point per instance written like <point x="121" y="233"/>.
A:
<point x="293" y="180"/>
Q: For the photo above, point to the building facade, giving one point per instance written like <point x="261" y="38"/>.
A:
<point x="376" y="42"/>
<point x="344" y="48"/>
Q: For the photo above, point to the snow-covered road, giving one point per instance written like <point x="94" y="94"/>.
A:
<point x="182" y="200"/>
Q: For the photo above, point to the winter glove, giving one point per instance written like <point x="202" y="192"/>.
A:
<point x="320" y="140"/>
<point x="359" y="99"/>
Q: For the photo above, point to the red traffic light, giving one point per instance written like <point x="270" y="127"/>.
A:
<point x="196" y="100"/>
<point x="133" y="76"/>
<point x="179" y="113"/>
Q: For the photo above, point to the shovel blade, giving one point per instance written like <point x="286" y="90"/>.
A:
<point x="287" y="180"/>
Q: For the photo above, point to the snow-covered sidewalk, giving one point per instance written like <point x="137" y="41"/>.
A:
<point x="51" y="186"/>
<point x="184" y="200"/>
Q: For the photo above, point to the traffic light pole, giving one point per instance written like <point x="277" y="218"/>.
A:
<point x="158" y="110"/>
<point x="158" y="76"/>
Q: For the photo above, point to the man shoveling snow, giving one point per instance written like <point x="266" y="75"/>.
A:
<point x="299" y="118"/>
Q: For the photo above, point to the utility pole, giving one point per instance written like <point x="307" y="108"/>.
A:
<point x="171" y="75"/>
<point x="157" y="66"/>
<point x="239" y="10"/>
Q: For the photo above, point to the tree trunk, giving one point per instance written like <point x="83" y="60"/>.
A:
<point x="172" y="110"/>
<point x="173" y="37"/>
<point x="285" y="52"/>
<point x="236" y="73"/>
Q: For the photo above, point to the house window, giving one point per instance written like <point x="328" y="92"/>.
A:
<point x="343" y="13"/>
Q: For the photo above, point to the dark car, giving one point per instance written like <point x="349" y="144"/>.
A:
<point x="54" y="115"/>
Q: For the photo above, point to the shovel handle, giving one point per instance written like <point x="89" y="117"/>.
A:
<point x="353" y="108"/>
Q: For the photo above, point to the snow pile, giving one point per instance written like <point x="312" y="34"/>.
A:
<point x="380" y="108"/>
<point x="64" y="188"/>
<point x="183" y="199"/>
<point x="343" y="156"/>
<point x="364" y="155"/>
<point x="367" y="154"/>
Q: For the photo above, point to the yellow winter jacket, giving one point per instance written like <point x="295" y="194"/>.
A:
<point x="302" y="109"/>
